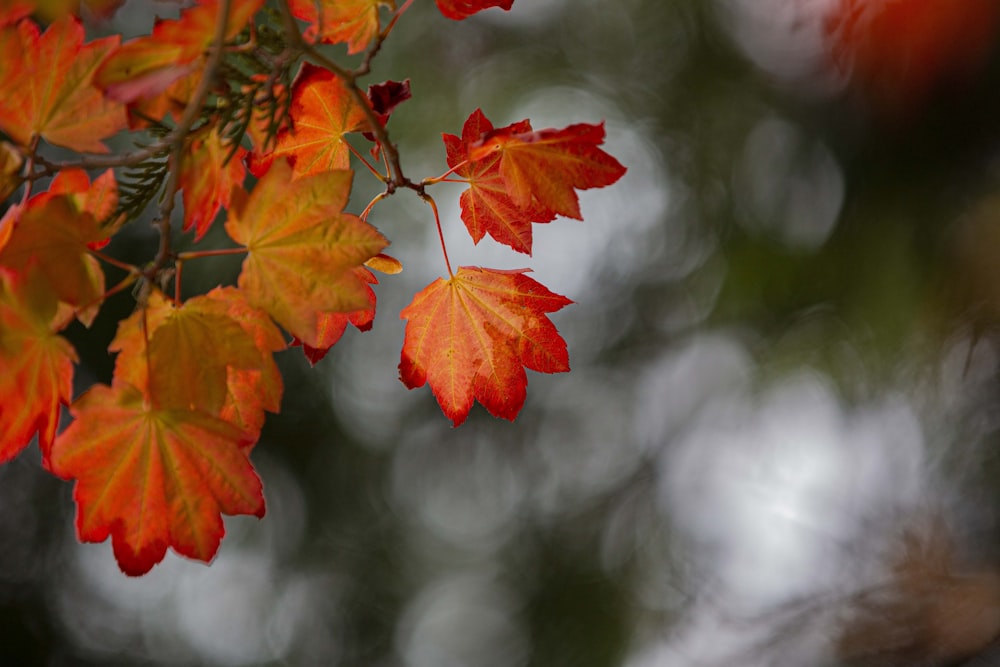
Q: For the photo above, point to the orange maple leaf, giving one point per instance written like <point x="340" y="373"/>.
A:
<point x="153" y="477"/>
<point x="545" y="167"/>
<point x="54" y="234"/>
<point x="206" y="180"/>
<point x="146" y="66"/>
<point x="53" y="10"/>
<point x="15" y="10"/>
<point x="10" y="170"/>
<point x="173" y="99"/>
<point x="354" y="22"/>
<point x="487" y="208"/>
<point x="330" y="327"/>
<point x="181" y="357"/>
<point x="302" y="249"/>
<point x="46" y="86"/>
<point x="36" y="364"/>
<point x="462" y="9"/>
<point x="99" y="199"/>
<point x="471" y="337"/>
<point x="322" y="112"/>
<point x="251" y="391"/>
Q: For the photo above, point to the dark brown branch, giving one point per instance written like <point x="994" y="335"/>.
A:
<point x="178" y="136"/>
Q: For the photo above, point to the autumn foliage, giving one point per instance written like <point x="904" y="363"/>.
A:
<point x="241" y="117"/>
<point x="898" y="52"/>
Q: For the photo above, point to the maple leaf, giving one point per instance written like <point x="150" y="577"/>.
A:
<point x="897" y="53"/>
<point x="384" y="98"/>
<point x="131" y="341"/>
<point x="251" y="391"/>
<point x="98" y="198"/>
<point x="54" y="234"/>
<point x="36" y="364"/>
<point x="330" y="327"/>
<point x="206" y="180"/>
<point x="15" y="10"/>
<point x="486" y="206"/>
<point x="53" y="10"/>
<point x="322" y="111"/>
<point x="153" y="477"/>
<point x="181" y="356"/>
<point x="471" y="337"/>
<point x="171" y="100"/>
<point x="46" y="86"/>
<point x="302" y="248"/>
<point x="546" y="167"/>
<point x="10" y="170"/>
<point x="146" y="66"/>
<point x="462" y="9"/>
<point x="354" y="22"/>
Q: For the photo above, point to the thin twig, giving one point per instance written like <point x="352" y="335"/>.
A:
<point x="180" y="132"/>
<point x="349" y="77"/>
<point x="29" y="166"/>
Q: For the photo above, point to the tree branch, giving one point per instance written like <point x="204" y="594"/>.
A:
<point x="349" y="77"/>
<point x="178" y="136"/>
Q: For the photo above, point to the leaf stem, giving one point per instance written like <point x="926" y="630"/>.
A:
<point x="28" y="166"/>
<point x="437" y="221"/>
<point x="357" y="154"/>
<point x="392" y="23"/>
<point x="445" y="175"/>
<point x="125" y="282"/>
<point x="108" y="259"/>
<point x="379" y="197"/>
<point x="179" y="268"/>
<point x="197" y="254"/>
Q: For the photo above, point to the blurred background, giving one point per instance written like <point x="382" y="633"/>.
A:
<point x="777" y="446"/>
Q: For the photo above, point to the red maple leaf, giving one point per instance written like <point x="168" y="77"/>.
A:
<point x="384" y="98"/>
<point x="15" y="10"/>
<point x="354" y="22"/>
<point x="322" y="112"/>
<point x="462" y="9"/>
<point x="153" y="477"/>
<point x="46" y="86"/>
<point x="330" y="327"/>
<point x="206" y="180"/>
<point x="36" y="364"/>
<point x="546" y="167"/>
<point x="146" y="66"/>
<point x="53" y="10"/>
<point x="54" y="233"/>
<point x="471" y="337"/>
<point x="487" y="208"/>
<point x="897" y="52"/>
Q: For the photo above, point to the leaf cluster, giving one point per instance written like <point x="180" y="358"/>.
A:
<point x="232" y="87"/>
